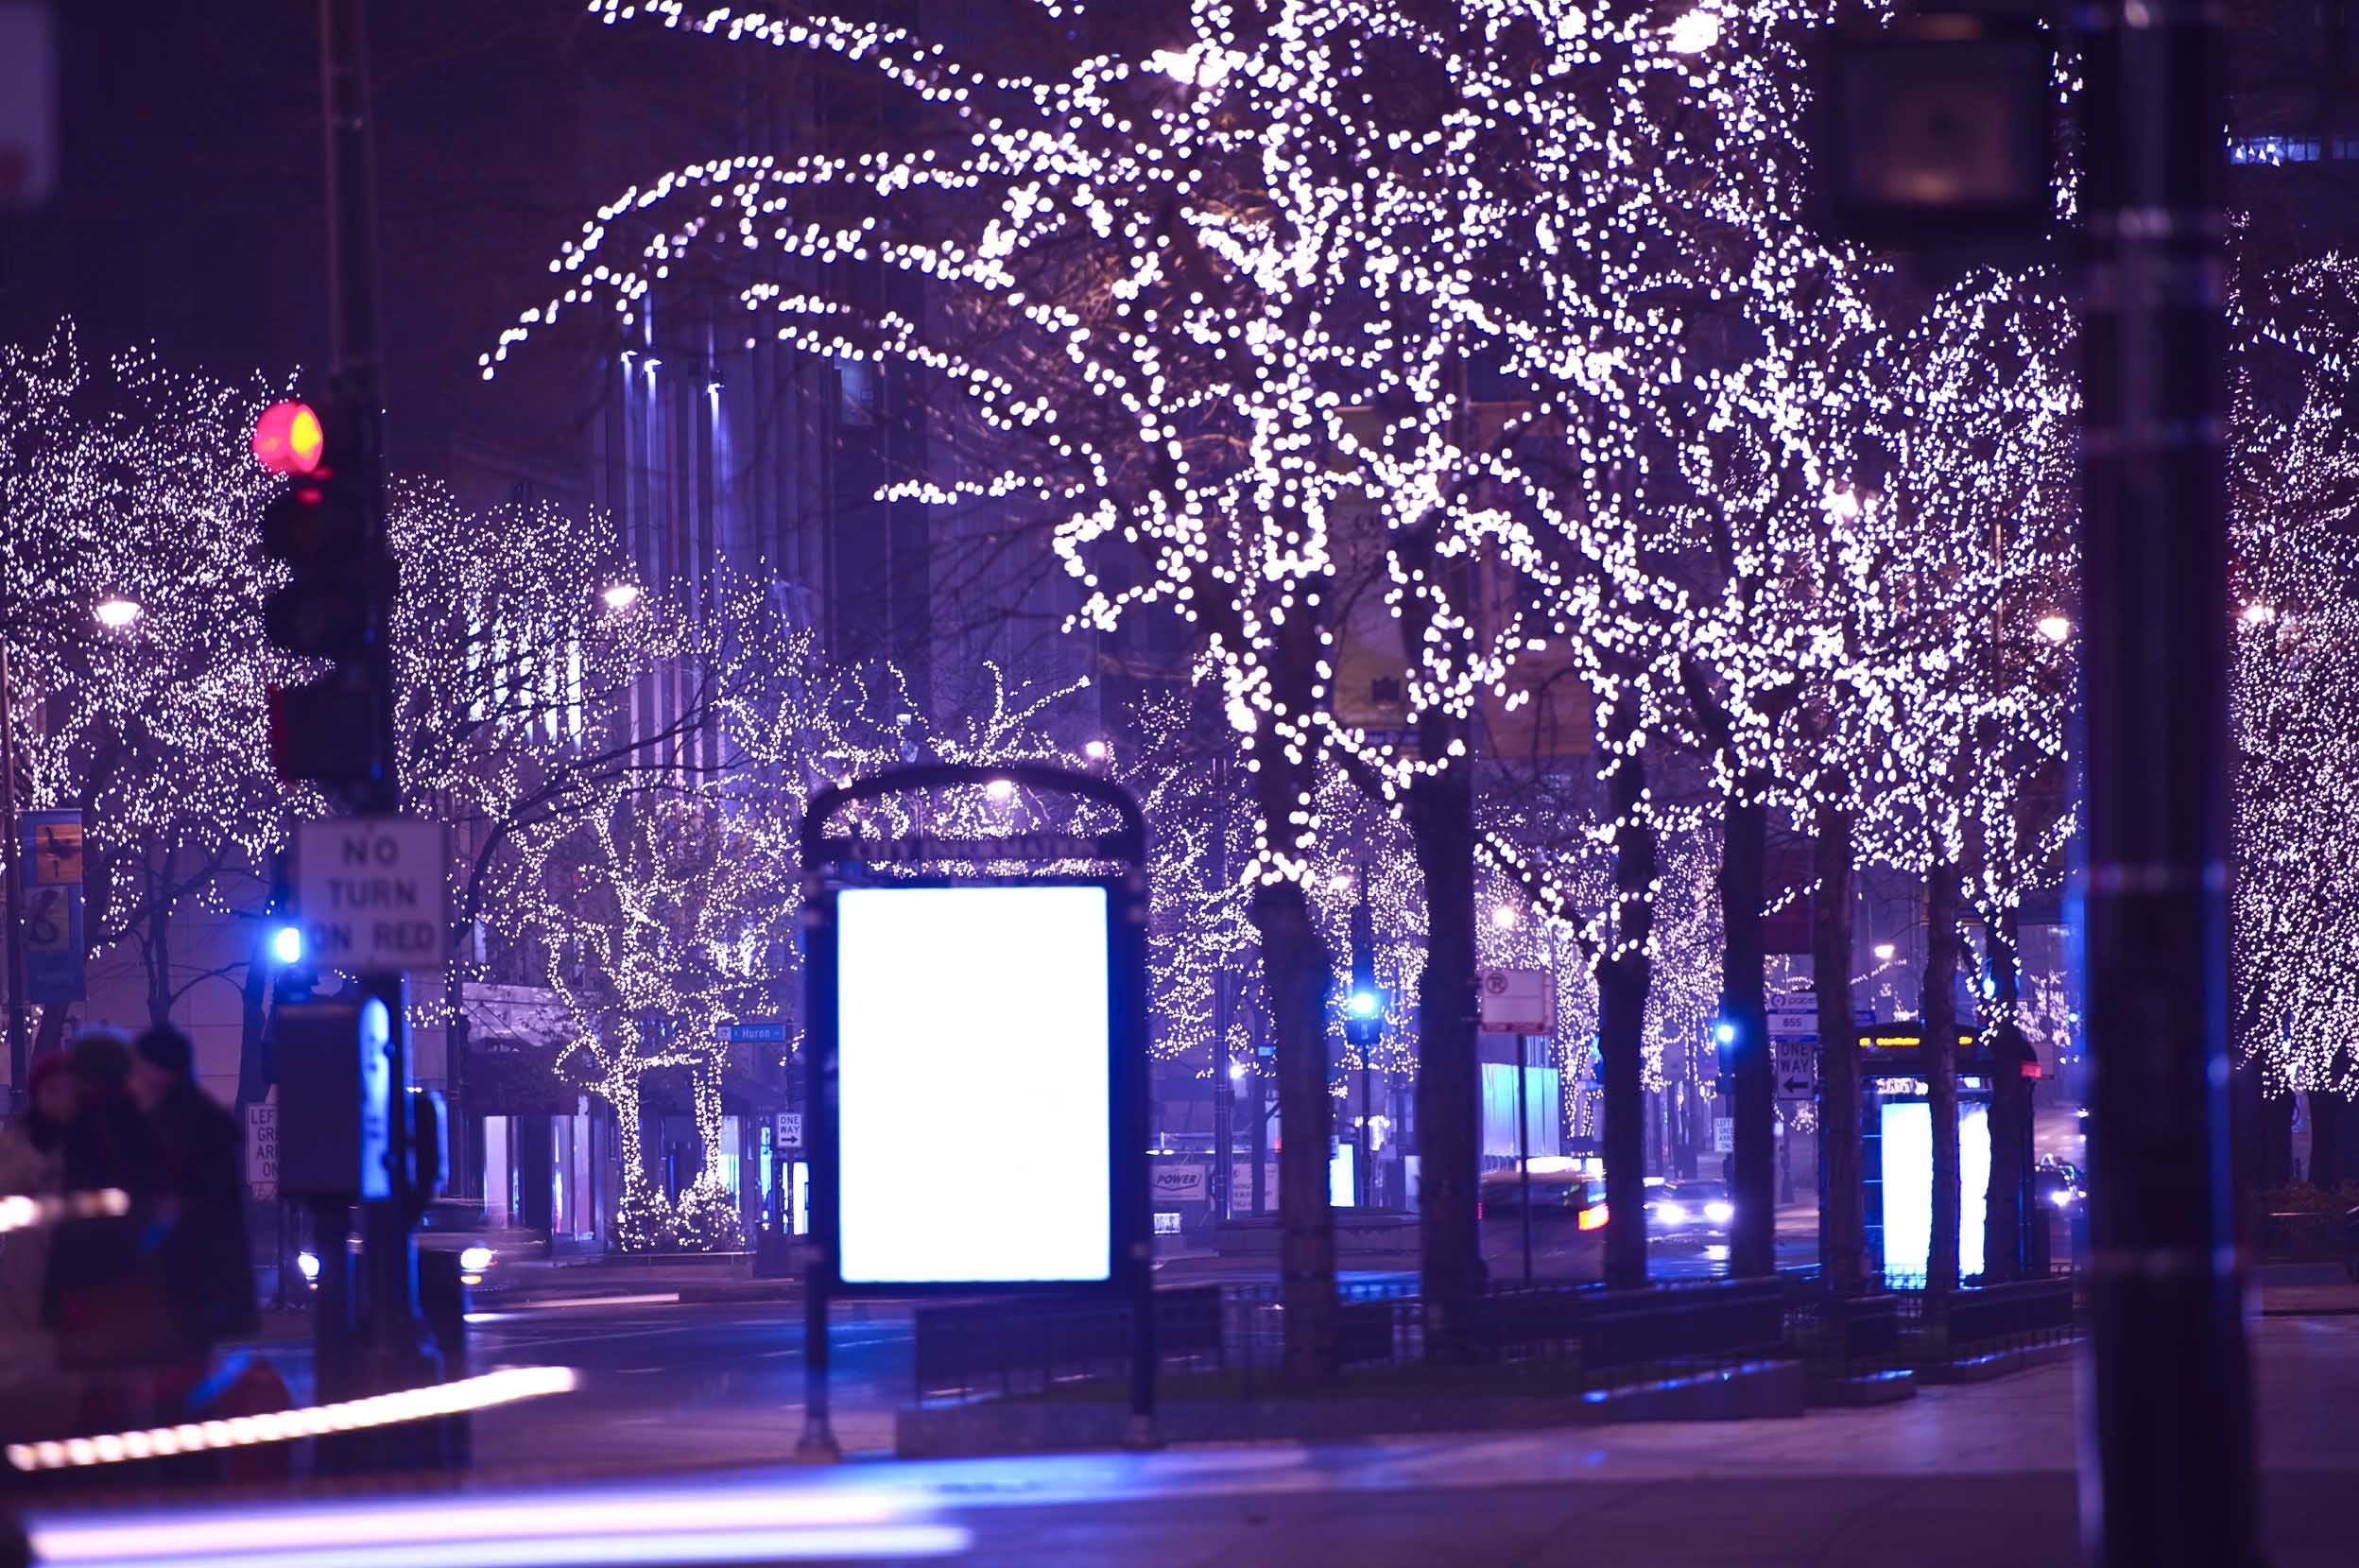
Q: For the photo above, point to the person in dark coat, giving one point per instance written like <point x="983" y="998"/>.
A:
<point x="103" y="1297"/>
<point x="199" y="1221"/>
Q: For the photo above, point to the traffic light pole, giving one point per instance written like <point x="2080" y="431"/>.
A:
<point x="394" y="1352"/>
<point x="2171" y="1454"/>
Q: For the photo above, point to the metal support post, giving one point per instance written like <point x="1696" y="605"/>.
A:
<point x="818" y="1443"/>
<point x="1524" y="1148"/>
<point x="2170" y="1480"/>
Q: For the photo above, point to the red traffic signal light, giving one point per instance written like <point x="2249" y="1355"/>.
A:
<point x="288" y="438"/>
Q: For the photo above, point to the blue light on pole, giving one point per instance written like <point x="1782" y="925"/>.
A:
<point x="1365" y="1003"/>
<point x="287" y="944"/>
<point x="1725" y="1032"/>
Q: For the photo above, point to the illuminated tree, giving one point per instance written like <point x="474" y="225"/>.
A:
<point x="122" y="483"/>
<point x="2293" y="594"/>
<point x="1200" y="282"/>
<point x="1976" y="419"/>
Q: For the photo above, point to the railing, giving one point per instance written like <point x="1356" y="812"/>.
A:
<point x="967" y="1348"/>
<point x="1592" y="1338"/>
<point x="1853" y="1339"/>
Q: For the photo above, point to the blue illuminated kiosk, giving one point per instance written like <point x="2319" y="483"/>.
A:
<point x="985" y="994"/>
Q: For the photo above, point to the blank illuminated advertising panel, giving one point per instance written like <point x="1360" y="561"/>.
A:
<point x="975" y="1093"/>
<point x="1907" y="1126"/>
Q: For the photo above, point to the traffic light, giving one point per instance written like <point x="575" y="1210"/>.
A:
<point x="1364" y="1004"/>
<point x="334" y="605"/>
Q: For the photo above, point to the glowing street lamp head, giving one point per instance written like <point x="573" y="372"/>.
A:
<point x="619" y="596"/>
<point x="288" y="438"/>
<point x="287" y="944"/>
<point x="1095" y="751"/>
<point x="1723" y="1032"/>
<point x="1884" y="951"/>
<point x="1000" y="789"/>
<point x="115" y="611"/>
<point x="1692" y="34"/>
<point x="2055" y="627"/>
<point x="1503" y="916"/>
<point x="2257" y="613"/>
<point x="1363" y="1004"/>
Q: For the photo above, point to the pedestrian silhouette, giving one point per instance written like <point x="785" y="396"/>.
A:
<point x="103" y="1296"/>
<point x="199" y="1216"/>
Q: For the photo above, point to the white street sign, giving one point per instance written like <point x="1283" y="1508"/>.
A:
<point x="371" y="892"/>
<point x="1796" y="1062"/>
<point x="1724" y="1135"/>
<point x="1793" y="1022"/>
<point x="1517" y="1001"/>
<point x="790" y="1130"/>
<point x="261" y="1150"/>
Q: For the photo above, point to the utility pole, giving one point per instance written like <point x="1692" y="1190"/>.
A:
<point x="2173" y="1453"/>
<point x="393" y="1354"/>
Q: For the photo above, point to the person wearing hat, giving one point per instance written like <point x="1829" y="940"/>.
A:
<point x="201" y="1198"/>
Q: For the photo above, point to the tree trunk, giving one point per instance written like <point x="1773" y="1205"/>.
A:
<point x="2325" y="1139"/>
<point x="1295" y="967"/>
<point x="1842" y="1224"/>
<point x="1938" y="1008"/>
<point x="158" y="945"/>
<point x="1441" y="818"/>
<point x="2004" y="1252"/>
<point x="2275" y="1120"/>
<point x="1624" y="974"/>
<point x="1744" y="1007"/>
<point x="2011" y="1111"/>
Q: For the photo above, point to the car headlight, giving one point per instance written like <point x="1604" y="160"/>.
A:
<point x="475" y="1260"/>
<point x="1719" y="1212"/>
<point x="308" y="1265"/>
<point x="1670" y="1214"/>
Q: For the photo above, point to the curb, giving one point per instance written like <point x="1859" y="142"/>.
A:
<point x="981" y="1428"/>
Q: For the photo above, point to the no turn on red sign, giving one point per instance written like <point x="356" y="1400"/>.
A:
<point x="373" y="893"/>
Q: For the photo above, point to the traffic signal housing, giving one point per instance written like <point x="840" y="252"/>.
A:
<point x="324" y="527"/>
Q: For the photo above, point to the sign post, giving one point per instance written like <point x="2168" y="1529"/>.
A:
<point x="1049" y="975"/>
<point x="1521" y="1002"/>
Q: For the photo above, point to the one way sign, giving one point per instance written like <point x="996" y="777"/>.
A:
<point x="1798" y="1069"/>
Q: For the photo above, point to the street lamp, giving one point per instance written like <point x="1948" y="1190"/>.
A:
<point x="619" y="596"/>
<point x="1503" y="916"/>
<point x="2055" y="627"/>
<point x="1692" y="34"/>
<point x="1884" y="951"/>
<point x="2257" y="613"/>
<point x="115" y="611"/>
